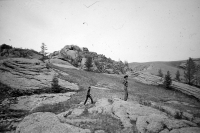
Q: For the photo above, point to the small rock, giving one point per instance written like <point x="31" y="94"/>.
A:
<point x="99" y="131"/>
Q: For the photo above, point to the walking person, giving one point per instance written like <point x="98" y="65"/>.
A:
<point x="125" y="82"/>
<point x="88" y="96"/>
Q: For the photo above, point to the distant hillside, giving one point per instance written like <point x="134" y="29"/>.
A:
<point x="11" y="52"/>
<point x="153" y="67"/>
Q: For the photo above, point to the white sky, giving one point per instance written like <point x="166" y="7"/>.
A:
<point x="131" y="30"/>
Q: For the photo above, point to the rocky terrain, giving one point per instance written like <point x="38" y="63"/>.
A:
<point x="28" y="103"/>
<point x="77" y="56"/>
<point x="127" y="116"/>
<point x="29" y="74"/>
<point x="8" y="51"/>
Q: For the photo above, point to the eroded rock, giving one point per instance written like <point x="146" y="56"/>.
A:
<point x="29" y="74"/>
<point x="46" y="123"/>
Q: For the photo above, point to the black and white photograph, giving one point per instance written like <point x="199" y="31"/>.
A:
<point x="99" y="66"/>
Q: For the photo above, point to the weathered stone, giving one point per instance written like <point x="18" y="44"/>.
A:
<point x="29" y="74"/>
<point x="46" y="123"/>
<point x="33" y="102"/>
<point x="164" y="131"/>
<point x="186" y="130"/>
<point x="175" y="124"/>
<point x="99" y="131"/>
<point x="76" y="112"/>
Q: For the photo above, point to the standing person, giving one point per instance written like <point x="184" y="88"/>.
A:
<point x="88" y="96"/>
<point x="125" y="82"/>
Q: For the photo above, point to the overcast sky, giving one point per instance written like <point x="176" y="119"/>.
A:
<point x="131" y="30"/>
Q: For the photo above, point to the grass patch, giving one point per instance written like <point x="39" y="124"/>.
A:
<point x="103" y="122"/>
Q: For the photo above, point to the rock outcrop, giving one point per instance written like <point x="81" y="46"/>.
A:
<point x="9" y="51"/>
<point x="29" y="74"/>
<point x="34" y="103"/>
<point x="134" y="117"/>
<point x="46" y="123"/>
<point x="77" y="57"/>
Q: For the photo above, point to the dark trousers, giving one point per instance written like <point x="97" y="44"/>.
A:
<point x="126" y="93"/>
<point x="88" y="96"/>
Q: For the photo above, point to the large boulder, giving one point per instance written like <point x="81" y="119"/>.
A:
<point x="46" y="123"/>
<point x="29" y="74"/>
<point x="69" y="52"/>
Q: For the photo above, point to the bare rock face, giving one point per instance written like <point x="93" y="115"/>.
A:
<point x="46" y="123"/>
<point x="28" y="74"/>
<point x="34" y="102"/>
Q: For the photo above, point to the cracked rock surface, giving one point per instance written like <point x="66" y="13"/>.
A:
<point x="133" y="117"/>
<point x="29" y="74"/>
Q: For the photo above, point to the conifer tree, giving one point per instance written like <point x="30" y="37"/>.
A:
<point x="160" y="74"/>
<point x="190" y="71"/>
<point x="43" y="49"/>
<point x="167" y="80"/>
<point x="177" y="75"/>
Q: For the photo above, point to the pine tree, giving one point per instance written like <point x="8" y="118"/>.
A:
<point x="167" y="80"/>
<point x="197" y="75"/>
<point x="190" y="71"/>
<point x="88" y="63"/>
<point x="177" y="75"/>
<point x="43" y="49"/>
<point x="160" y="74"/>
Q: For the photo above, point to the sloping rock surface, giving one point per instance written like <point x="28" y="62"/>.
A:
<point x="146" y="119"/>
<point x="46" y="123"/>
<point x="35" y="101"/>
<point x="27" y="74"/>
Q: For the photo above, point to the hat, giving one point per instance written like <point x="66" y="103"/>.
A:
<point x="125" y="76"/>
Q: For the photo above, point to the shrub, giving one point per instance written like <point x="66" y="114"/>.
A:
<point x="160" y="74"/>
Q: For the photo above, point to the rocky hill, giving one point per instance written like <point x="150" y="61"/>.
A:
<point x="8" y="51"/>
<point x="77" y="56"/>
